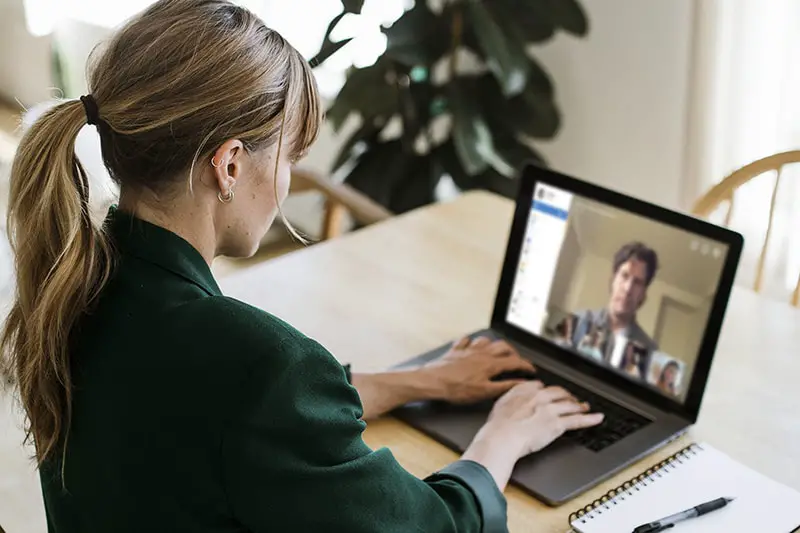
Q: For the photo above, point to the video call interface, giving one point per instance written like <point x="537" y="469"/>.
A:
<point x="624" y="291"/>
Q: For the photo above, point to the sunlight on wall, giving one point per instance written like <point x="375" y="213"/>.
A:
<point x="303" y="23"/>
<point x="43" y="15"/>
<point x="40" y="16"/>
<point x="306" y="30"/>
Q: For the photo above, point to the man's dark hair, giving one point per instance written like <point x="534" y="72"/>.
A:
<point x="640" y="252"/>
<point x="671" y="364"/>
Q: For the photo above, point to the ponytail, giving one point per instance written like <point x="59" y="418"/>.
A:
<point x="158" y="115"/>
<point x="62" y="260"/>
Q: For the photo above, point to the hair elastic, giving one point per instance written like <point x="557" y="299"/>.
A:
<point x="92" y="111"/>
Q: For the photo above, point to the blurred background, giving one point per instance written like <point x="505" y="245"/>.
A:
<point x="660" y="99"/>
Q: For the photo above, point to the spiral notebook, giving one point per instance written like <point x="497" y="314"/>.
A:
<point x="697" y="474"/>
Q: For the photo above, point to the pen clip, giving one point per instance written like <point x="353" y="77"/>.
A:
<point x="650" y="528"/>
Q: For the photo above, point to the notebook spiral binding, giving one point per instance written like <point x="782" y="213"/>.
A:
<point x="632" y="486"/>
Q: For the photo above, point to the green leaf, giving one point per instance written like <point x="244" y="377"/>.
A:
<point x="367" y="133"/>
<point x="518" y="155"/>
<point x="471" y="135"/>
<point x="538" y="20"/>
<point x="531" y="19"/>
<point x="538" y="80"/>
<point x="493" y="181"/>
<point x="536" y="115"/>
<point x="505" y="58"/>
<point x="378" y="171"/>
<point x="418" y="105"/>
<point x="337" y="113"/>
<point x="419" y="37"/>
<point x="398" y="180"/>
<point x="527" y="20"/>
<point x="353" y="6"/>
<point x="420" y="74"/>
<point x="417" y="186"/>
<point x="366" y="92"/>
<point x="328" y="49"/>
<point x="332" y="25"/>
<point x="446" y="155"/>
<point x="533" y="113"/>
<point x="569" y="14"/>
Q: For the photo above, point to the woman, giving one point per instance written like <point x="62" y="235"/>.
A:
<point x="593" y="343"/>
<point x="564" y="332"/>
<point x="668" y="378"/>
<point x="632" y="360"/>
<point x="154" y="402"/>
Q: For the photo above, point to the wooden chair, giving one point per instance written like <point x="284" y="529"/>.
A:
<point x="340" y="200"/>
<point x="723" y="192"/>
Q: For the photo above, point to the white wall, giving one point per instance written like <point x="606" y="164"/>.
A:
<point x="690" y="322"/>
<point x="568" y="264"/>
<point x="24" y="59"/>
<point x="76" y="40"/>
<point x="624" y="92"/>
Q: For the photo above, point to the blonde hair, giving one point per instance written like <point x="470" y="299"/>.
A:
<point x="171" y="86"/>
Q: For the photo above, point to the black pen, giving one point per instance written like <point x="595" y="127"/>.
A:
<point x="670" y="521"/>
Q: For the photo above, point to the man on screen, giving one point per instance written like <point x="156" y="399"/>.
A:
<point x="634" y="268"/>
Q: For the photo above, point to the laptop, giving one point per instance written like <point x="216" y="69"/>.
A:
<point x="619" y="301"/>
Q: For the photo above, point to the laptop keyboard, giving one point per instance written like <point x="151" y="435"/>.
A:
<point x="618" y="423"/>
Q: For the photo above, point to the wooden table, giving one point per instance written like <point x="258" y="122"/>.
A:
<point x="393" y="290"/>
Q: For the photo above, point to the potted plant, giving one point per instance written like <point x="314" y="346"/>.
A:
<point x="468" y="95"/>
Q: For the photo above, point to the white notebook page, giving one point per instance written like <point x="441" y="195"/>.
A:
<point x="761" y="506"/>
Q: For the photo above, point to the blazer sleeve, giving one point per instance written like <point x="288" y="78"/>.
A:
<point x="294" y="459"/>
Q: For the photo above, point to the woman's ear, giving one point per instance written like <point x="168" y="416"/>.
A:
<point x="227" y="164"/>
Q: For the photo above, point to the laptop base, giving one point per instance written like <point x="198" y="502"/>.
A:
<point x="560" y="472"/>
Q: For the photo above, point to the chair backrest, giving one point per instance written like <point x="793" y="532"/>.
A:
<point x="723" y="193"/>
<point x="339" y="200"/>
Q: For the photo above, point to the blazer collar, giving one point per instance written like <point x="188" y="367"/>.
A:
<point x="161" y="247"/>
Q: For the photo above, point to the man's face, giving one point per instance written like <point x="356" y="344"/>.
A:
<point x="628" y="288"/>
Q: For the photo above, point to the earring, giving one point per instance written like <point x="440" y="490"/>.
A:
<point x="226" y="199"/>
<point x="215" y="165"/>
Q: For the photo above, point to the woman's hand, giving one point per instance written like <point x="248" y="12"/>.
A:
<point x="535" y="415"/>
<point x="464" y="374"/>
<point x="523" y="421"/>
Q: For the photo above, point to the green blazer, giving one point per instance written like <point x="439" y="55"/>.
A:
<point x="194" y="412"/>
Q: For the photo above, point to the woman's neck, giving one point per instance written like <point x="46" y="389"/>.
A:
<point x="189" y="222"/>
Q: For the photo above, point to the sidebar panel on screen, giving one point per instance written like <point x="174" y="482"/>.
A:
<point x="544" y="236"/>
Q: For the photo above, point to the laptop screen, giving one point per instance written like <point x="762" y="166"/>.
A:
<point x="616" y="288"/>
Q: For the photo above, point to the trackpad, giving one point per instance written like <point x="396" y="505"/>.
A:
<point x="453" y="425"/>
